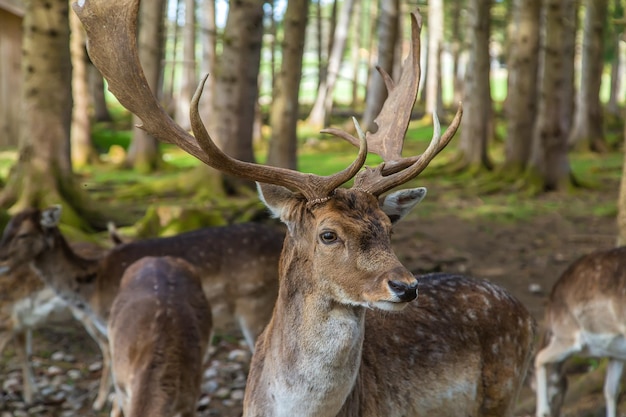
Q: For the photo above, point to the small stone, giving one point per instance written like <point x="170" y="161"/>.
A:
<point x="535" y="288"/>
<point x="222" y="393"/>
<point x="210" y="386"/>
<point x="54" y="371"/>
<point x="95" y="367"/>
<point x="74" y="374"/>
<point x="58" y="356"/>
<point x="237" y="395"/>
<point x="239" y="355"/>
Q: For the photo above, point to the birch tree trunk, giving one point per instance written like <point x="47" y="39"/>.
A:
<point x="82" y="150"/>
<point x="549" y="160"/>
<point x="475" y="125"/>
<point x="587" y="130"/>
<point x="284" y="114"/>
<point x="324" y="100"/>
<point x="143" y="153"/>
<point x="189" y="79"/>
<point x="523" y="66"/>
<point x="387" y="38"/>
<point x="435" y="43"/>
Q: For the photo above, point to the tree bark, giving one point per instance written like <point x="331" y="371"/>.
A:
<point x="209" y="55"/>
<point x="143" y="153"/>
<point x="284" y="113"/>
<point x="324" y="100"/>
<point x="456" y="46"/>
<point x="236" y="87"/>
<point x="435" y="43"/>
<point x="189" y="79"/>
<point x="83" y="151"/>
<point x="621" y="203"/>
<point x="549" y="161"/>
<point x="477" y="118"/>
<point x="96" y="87"/>
<point x="616" y="62"/>
<point x="523" y="65"/>
<point x="568" y="88"/>
<point x="587" y="130"/>
<point x="389" y="14"/>
<point x="43" y="173"/>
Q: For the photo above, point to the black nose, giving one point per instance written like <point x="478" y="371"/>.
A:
<point x="405" y="292"/>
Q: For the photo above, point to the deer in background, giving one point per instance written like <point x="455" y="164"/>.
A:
<point x="238" y="266"/>
<point x="345" y="338"/>
<point x="159" y="330"/>
<point x="26" y="303"/>
<point x="586" y="316"/>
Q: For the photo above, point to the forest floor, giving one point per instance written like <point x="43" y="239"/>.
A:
<point x="455" y="231"/>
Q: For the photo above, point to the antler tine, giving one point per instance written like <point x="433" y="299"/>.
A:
<point x="377" y="181"/>
<point x="111" y="27"/>
<point x="393" y="119"/>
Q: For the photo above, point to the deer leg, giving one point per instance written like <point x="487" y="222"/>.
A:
<point x="556" y="352"/>
<point x="22" y="349"/>
<point x="611" y="385"/>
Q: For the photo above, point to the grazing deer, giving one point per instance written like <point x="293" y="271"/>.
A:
<point x="585" y="315"/>
<point x="159" y="330"/>
<point x="344" y="338"/>
<point x="26" y="303"/>
<point x="238" y="266"/>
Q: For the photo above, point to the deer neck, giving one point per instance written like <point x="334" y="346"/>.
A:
<point x="71" y="276"/>
<point x="312" y="350"/>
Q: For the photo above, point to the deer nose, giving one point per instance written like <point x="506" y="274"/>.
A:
<point x="405" y="292"/>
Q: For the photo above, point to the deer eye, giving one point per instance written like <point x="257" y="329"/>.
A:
<point x="328" y="237"/>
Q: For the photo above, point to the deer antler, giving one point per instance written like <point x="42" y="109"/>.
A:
<point x="111" y="27"/>
<point x="393" y="122"/>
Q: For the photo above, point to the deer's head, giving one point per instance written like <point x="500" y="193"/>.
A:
<point x="27" y="234"/>
<point x="340" y="236"/>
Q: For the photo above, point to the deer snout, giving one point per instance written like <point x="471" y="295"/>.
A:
<point x="405" y="291"/>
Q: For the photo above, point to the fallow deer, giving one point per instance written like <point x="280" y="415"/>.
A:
<point x="344" y="338"/>
<point x="26" y="303"/>
<point x="159" y="330"/>
<point x="586" y="316"/>
<point x="238" y="266"/>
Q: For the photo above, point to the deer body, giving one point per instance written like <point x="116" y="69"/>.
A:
<point x="27" y="304"/>
<point x="159" y="329"/>
<point x="586" y="316"/>
<point x="238" y="266"/>
<point x="325" y="353"/>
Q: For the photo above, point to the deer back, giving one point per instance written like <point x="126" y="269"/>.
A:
<point x="158" y="333"/>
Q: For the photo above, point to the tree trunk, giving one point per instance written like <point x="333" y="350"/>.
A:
<point x="83" y="151"/>
<point x="43" y="173"/>
<point x="189" y="80"/>
<point x="209" y="54"/>
<point x="355" y="52"/>
<point x="476" y="122"/>
<point x="568" y="88"/>
<point x="96" y="87"/>
<point x="616" y="62"/>
<point x="284" y="113"/>
<point x="549" y="161"/>
<point x="143" y="153"/>
<point x="587" y="130"/>
<point x="523" y="65"/>
<point x="457" y="43"/>
<point x="435" y="43"/>
<point x="324" y="100"/>
<point x="387" y="38"/>
<point x="236" y="87"/>
<point x="621" y="202"/>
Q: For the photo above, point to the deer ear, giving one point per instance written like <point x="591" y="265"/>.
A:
<point x="275" y="198"/>
<point x="51" y="216"/>
<point x="399" y="203"/>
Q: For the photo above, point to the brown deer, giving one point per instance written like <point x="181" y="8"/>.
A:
<point x="26" y="303"/>
<point x="344" y="338"/>
<point x="586" y="316"/>
<point x="238" y="266"/>
<point x="159" y="330"/>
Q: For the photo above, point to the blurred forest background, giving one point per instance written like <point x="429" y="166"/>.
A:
<point x="542" y="85"/>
